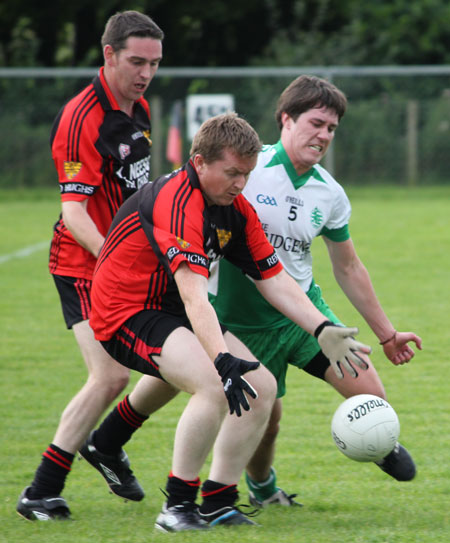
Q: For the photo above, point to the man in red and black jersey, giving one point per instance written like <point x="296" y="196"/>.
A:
<point x="167" y="223"/>
<point x="150" y="310"/>
<point x="101" y="149"/>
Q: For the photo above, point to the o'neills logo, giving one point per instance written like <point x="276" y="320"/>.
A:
<point x="365" y="408"/>
<point x="71" y="169"/>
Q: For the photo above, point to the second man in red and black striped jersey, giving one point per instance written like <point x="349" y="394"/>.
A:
<point x="150" y="310"/>
<point x="101" y="150"/>
<point x="102" y="156"/>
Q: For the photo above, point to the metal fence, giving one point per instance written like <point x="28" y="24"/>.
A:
<point x="396" y="129"/>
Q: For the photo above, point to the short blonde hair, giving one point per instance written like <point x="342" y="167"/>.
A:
<point x="225" y="131"/>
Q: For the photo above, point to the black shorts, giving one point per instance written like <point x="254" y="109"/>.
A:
<point x="75" y="296"/>
<point x="140" y="339"/>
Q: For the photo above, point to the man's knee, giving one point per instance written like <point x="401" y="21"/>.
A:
<point x="119" y="382"/>
<point x="267" y="384"/>
<point x="266" y="387"/>
<point x="367" y="382"/>
<point x="112" y="382"/>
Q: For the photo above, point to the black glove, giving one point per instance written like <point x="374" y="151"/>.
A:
<point x="231" y="370"/>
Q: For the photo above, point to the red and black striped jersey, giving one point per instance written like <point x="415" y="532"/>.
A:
<point x="101" y="154"/>
<point x="163" y="224"/>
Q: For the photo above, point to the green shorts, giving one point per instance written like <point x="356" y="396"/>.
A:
<point x="288" y="344"/>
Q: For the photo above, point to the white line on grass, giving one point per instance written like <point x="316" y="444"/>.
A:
<point x="26" y="251"/>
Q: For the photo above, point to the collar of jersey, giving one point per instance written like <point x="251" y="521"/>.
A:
<point x="108" y="100"/>
<point x="281" y="158"/>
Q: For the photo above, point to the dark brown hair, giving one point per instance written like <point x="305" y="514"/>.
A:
<point x="125" y="24"/>
<point x="308" y="92"/>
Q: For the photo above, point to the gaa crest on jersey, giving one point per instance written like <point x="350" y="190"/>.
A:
<point x="316" y="217"/>
<point x="124" y="150"/>
<point x="183" y="244"/>
<point x="71" y="169"/>
<point x="223" y="236"/>
<point x="266" y="199"/>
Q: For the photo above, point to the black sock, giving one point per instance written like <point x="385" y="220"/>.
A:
<point x="217" y="495"/>
<point x="51" y="474"/>
<point x="118" y="427"/>
<point x="180" y="491"/>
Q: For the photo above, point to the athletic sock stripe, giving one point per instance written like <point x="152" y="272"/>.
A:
<point x="193" y="483"/>
<point x="57" y="458"/>
<point x="129" y="415"/>
<point x="218" y="490"/>
<point x="129" y="420"/>
<point x="131" y="412"/>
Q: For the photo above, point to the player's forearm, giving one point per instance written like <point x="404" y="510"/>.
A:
<point x="89" y="238"/>
<point x="82" y="227"/>
<point x="287" y="296"/>
<point x="359" y="289"/>
<point x="206" y="327"/>
<point x="193" y="289"/>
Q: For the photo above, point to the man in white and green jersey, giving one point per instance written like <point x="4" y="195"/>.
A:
<point x="297" y="200"/>
<point x="293" y="209"/>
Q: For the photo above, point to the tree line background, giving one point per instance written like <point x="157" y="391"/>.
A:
<point x="396" y="129"/>
<point x="235" y="33"/>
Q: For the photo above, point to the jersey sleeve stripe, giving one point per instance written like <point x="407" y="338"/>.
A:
<point x="76" y="124"/>
<point x="180" y="201"/>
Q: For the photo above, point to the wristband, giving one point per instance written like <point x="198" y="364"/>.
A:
<point x="321" y="327"/>
<point x="390" y="339"/>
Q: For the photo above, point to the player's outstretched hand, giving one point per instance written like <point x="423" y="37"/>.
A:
<point x="341" y="348"/>
<point x="231" y="370"/>
<point x="397" y="349"/>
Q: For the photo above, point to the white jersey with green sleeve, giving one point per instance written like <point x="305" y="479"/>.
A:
<point x="293" y="211"/>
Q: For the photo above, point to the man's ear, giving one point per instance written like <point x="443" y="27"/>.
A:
<point x="198" y="161"/>
<point x="285" y="119"/>
<point x="108" y="54"/>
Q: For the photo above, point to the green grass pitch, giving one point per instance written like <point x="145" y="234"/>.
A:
<point x="403" y="237"/>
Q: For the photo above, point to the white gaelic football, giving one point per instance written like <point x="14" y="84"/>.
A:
<point x="365" y="428"/>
